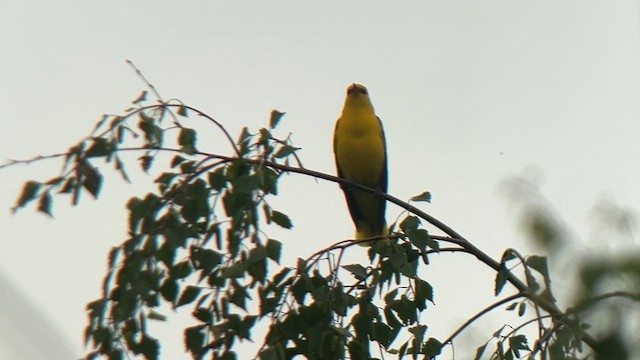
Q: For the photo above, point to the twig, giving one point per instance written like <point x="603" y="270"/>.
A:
<point x="480" y="314"/>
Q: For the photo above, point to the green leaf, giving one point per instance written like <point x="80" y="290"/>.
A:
<point x="300" y="289"/>
<point x="243" y="140"/>
<point x="187" y="140"/>
<point x="148" y="347"/>
<point x="146" y="161"/>
<point x="358" y="271"/>
<point x="420" y="238"/>
<point x="432" y="348"/>
<point x="154" y="315"/>
<point x="189" y="294"/>
<point x="479" y="352"/>
<point x="246" y="183"/>
<point x="517" y="343"/>
<point x="423" y="292"/>
<point x="119" y="165"/>
<point x="177" y="160"/>
<point x="194" y="340"/>
<point x="181" y="270"/>
<point x="153" y="133"/>
<point x="217" y="179"/>
<point x="522" y="308"/>
<point x="284" y="151"/>
<point x="425" y="196"/>
<point x="169" y="290"/>
<point x="268" y="180"/>
<point x="539" y="264"/>
<point x="44" y="204"/>
<point x="204" y="315"/>
<point x="142" y="97"/>
<point x="206" y="259"/>
<point x="501" y="279"/>
<point x="392" y="320"/>
<point x="418" y="332"/>
<point x="275" y="118"/>
<point x="410" y="223"/>
<point x="281" y="219"/>
<point x="235" y="271"/>
<point x="99" y="148"/>
<point x="381" y="333"/>
<point x="92" y="179"/>
<point x="274" y="250"/>
<point x="29" y="192"/>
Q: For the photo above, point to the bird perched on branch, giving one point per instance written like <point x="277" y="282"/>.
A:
<point x="361" y="157"/>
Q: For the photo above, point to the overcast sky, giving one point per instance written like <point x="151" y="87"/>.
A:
<point x="471" y="93"/>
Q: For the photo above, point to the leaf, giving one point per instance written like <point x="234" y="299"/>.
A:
<point x="522" y="308"/>
<point x="217" y="179"/>
<point x="92" y="179"/>
<point x="479" y="352"/>
<point x="501" y="279"/>
<point x="517" y="343"/>
<point x="423" y="292"/>
<point x="119" y="165"/>
<point x="420" y="238"/>
<point x="358" y="271"/>
<point x="234" y="271"/>
<point x="55" y="181"/>
<point x="285" y="151"/>
<point x="177" y="160"/>
<point x="169" y="290"/>
<point x="44" y="204"/>
<point x="432" y="348"/>
<point x="275" y="118"/>
<point x="539" y="264"/>
<point x="189" y="294"/>
<point x="299" y="289"/>
<point x="148" y="347"/>
<point x="142" y="97"/>
<point x="180" y="270"/>
<point x="99" y="148"/>
<point x="281" y="219"/>
<point x="146" y="161"/>
<point x="153" y="134"/>
<point x="206" y="259"/>
<point x="243" y="140"/>
<point x="425" y="196"/>
<point x="182" y="111"/>
<point x="381" y="333"/>
<point x="409" y="223"/>
<point x="29" y="192"/>
<point x="153" y="315"/>
<point x="187" y="140"/>
<point x="274" y="250"/>
<point x="194" y="340"/>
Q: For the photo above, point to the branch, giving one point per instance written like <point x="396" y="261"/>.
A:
<point x="479" y="315"/>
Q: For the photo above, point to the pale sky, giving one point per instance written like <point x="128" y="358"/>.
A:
<point x="471" y="93"/>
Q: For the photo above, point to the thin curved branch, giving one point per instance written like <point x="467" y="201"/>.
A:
<point x="479" y="315"/>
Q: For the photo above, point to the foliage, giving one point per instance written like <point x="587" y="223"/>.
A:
<point x="198" y="243"/>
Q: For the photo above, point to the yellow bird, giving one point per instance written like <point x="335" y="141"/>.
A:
<point x="361" y="157"/>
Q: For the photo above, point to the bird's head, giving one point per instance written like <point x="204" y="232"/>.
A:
<point x="357" y="89"/>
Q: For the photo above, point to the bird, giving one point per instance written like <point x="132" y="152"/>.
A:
<point x="360" y="151"/>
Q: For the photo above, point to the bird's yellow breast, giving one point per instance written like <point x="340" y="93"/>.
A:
<point x="359" y="146"/>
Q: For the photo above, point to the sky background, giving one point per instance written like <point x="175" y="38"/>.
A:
<point x="471" y="94"/>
